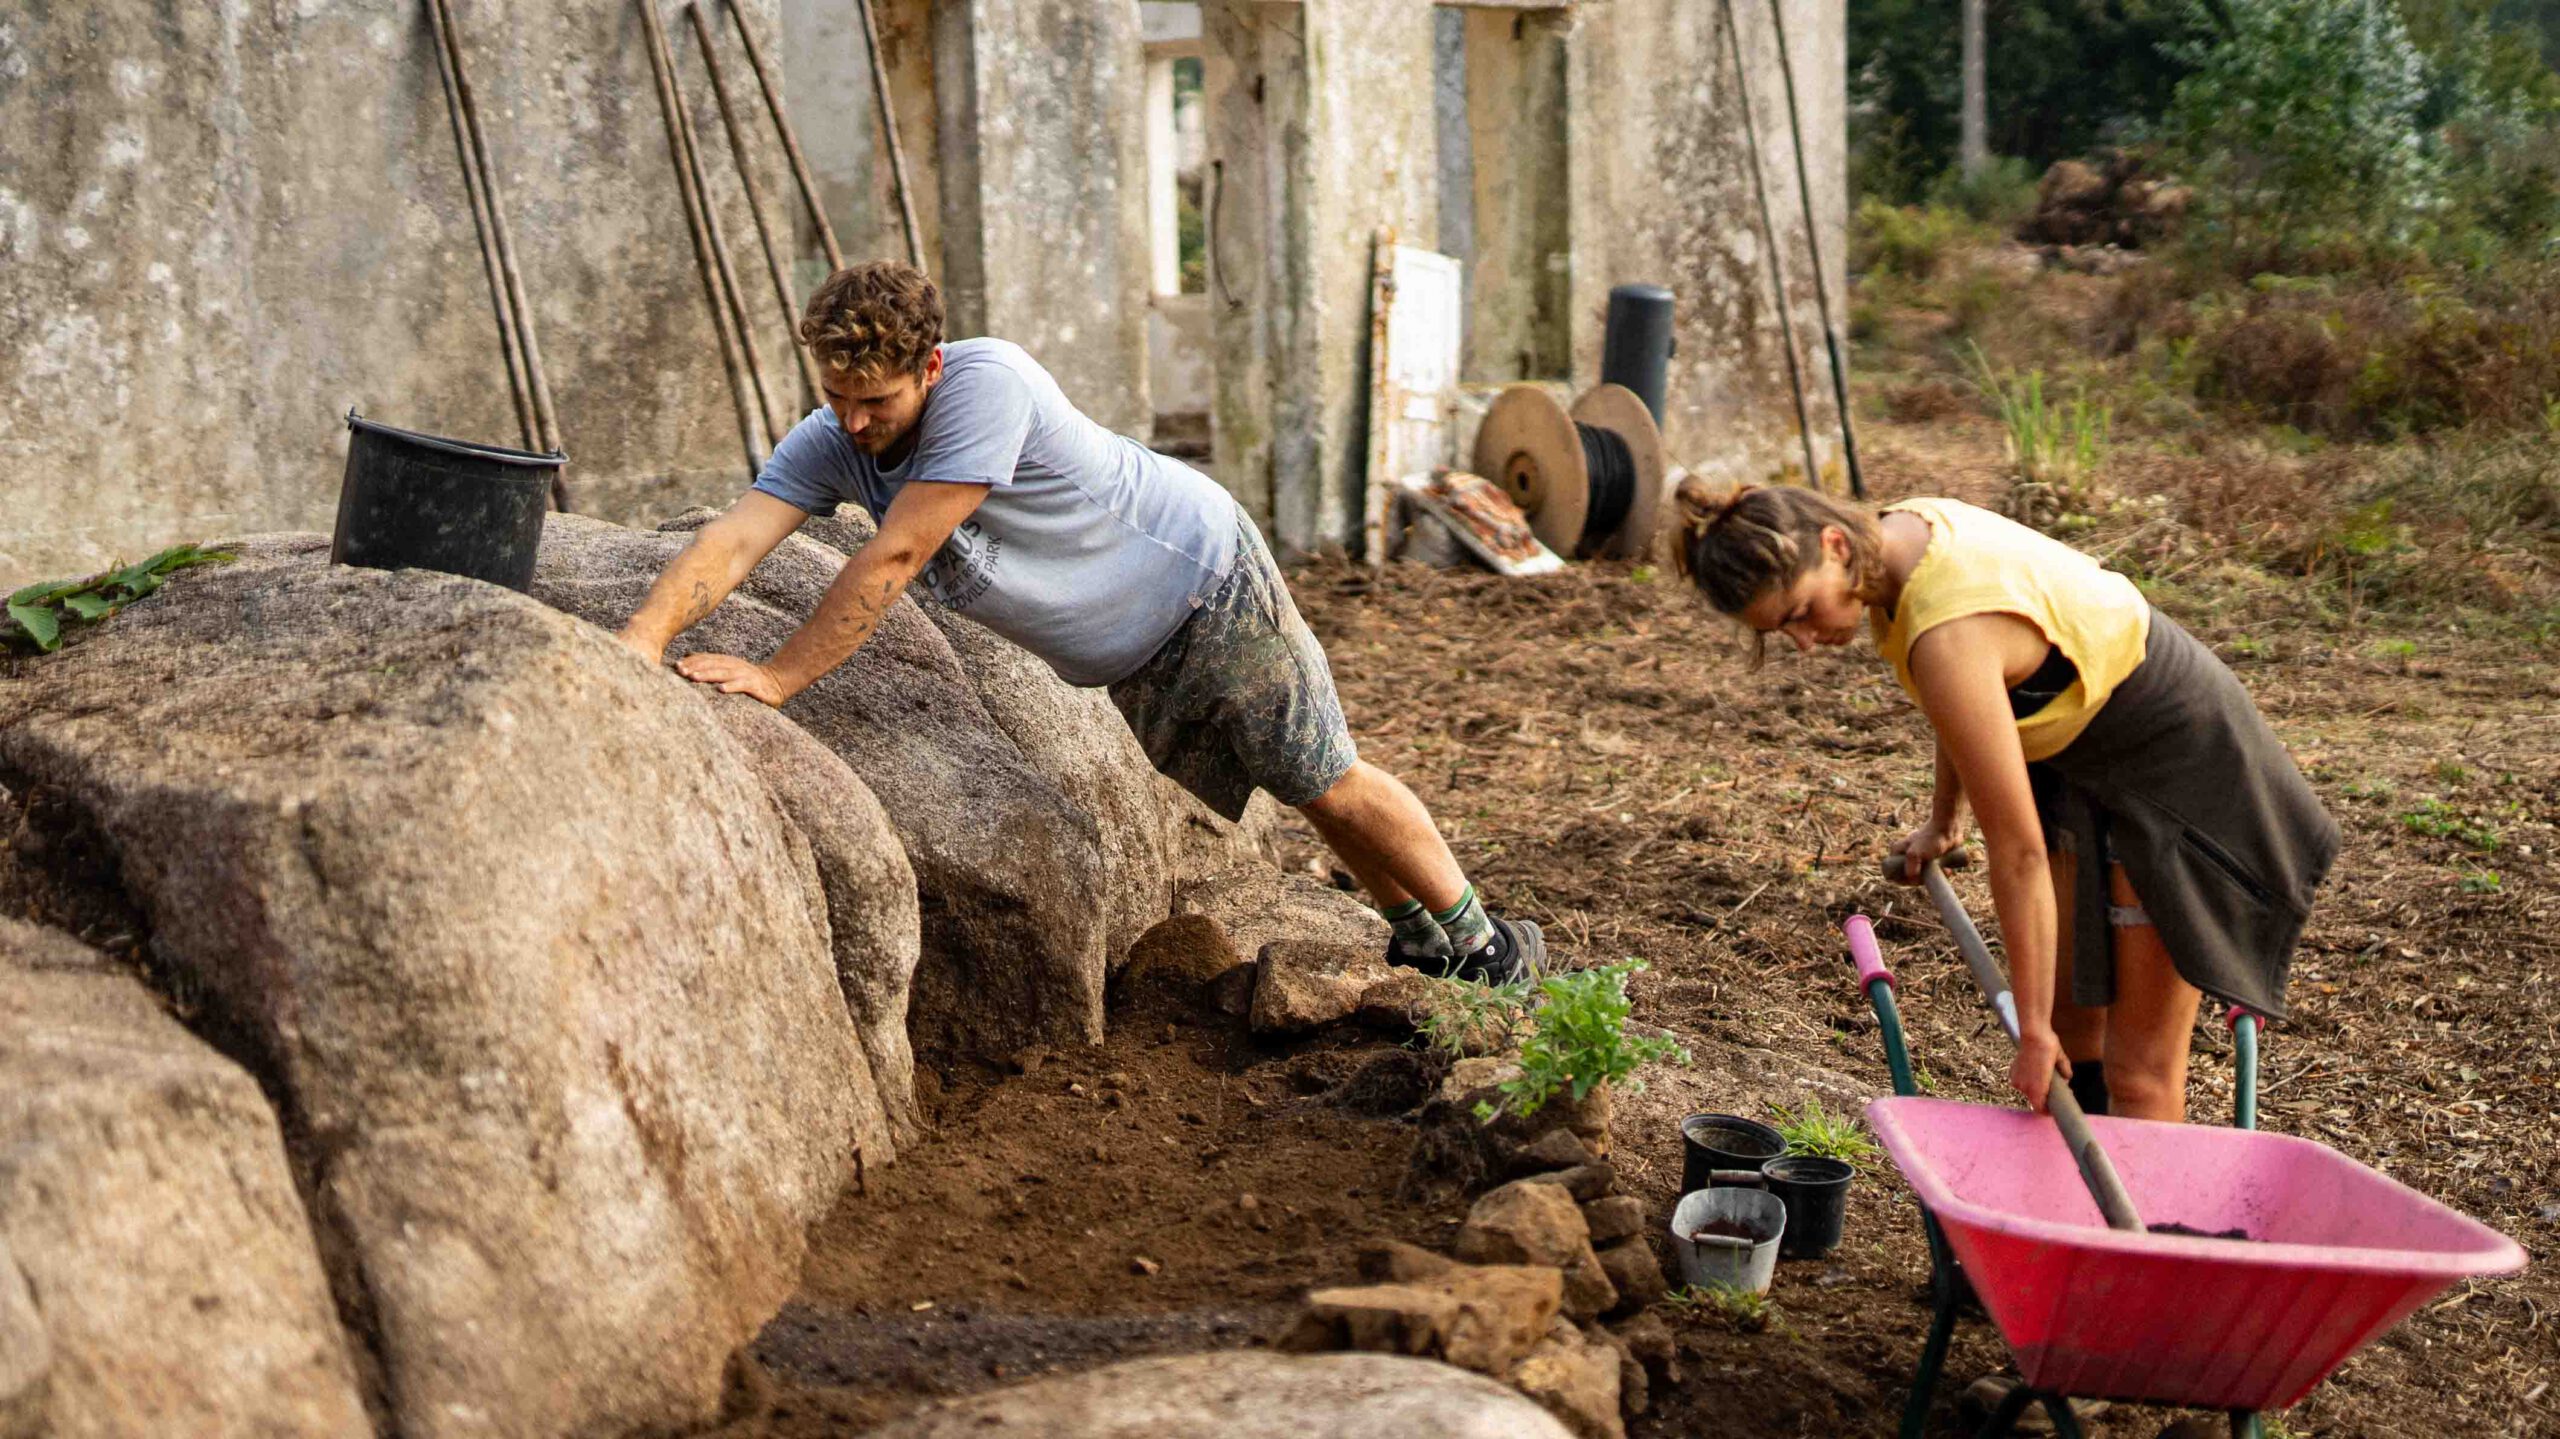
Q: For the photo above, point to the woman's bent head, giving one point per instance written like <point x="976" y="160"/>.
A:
<point x="1781" y="559"/>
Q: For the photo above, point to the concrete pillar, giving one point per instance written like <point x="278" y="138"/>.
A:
<point x="1321" y="125"/>
<point x="1164" y="243"/>
<point x="1044" y="223"/>
<point x="827" y="83"/>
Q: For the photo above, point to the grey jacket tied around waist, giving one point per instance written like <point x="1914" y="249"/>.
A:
<point x="2181" y="779"/>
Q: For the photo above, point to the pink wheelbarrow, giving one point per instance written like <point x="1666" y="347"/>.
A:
<point x="2185" y="1320"/>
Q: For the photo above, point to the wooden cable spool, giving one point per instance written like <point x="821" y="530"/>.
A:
<point x="1590" y="479"/>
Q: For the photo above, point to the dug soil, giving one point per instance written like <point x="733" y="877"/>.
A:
<point x="1605" y="761"/>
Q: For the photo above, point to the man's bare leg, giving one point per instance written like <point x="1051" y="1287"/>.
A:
<point x="1383" y="835"/>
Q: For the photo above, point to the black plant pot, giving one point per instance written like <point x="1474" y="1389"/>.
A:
<point x="1710" y="1142"/>
<point x="1816" y="1194"/>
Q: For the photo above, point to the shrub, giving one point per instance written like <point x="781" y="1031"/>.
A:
<point x="2003" y="194"/>
<point x="1578" y="1041"/>
<point x="1908" y="240"/>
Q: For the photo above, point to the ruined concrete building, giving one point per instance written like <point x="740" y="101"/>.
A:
<point x="223" y="224"/>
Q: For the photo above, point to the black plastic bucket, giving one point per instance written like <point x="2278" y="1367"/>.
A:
<point x="1816" y="1194"/>
<point x="1709" y="1142"/>
<point x="412" y="501"/>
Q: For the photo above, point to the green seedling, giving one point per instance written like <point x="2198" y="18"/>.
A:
<point x="1463" y="1017"/>
<point x="1578" y="1041"/>
<point x="1818" y="1133"/>
<point x="38" y="613"/>
<point x="2480" y="881"/>
<point x="1745" y="1310"/>
<point x="2451" y="773"/>
<point x="2438" y="820"/>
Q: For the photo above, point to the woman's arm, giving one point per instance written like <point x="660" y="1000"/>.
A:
<point x="1961" y="671"/>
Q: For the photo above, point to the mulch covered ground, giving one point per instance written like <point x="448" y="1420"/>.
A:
<point x="1607" y="763"/>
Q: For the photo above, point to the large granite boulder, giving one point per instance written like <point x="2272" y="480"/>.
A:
<point x="1011" y="870"/>
<point x="157" y="1275"/>
<point x="1247" y="1394"/>
<point x="527" y="955"/>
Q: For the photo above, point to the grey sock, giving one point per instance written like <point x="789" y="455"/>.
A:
<point x="1469" y="928"/>
<point x="1417" y="933"/>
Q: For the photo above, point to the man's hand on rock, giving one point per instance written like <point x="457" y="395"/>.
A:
<point x="734" y="676"/>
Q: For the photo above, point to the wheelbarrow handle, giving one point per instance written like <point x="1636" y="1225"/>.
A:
<point x="2105" y="1186"/>
<point x="1864" y="952"/>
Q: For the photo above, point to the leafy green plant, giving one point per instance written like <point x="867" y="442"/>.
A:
<point x="2480" y="881"/>
<point x="1745" y="1310"/>
<point x="1578" y="1041"/>
<point x="1816" y="1131"/>
<point x="37" y="613"/>
<point x="2452" y="772"/>
<point x="2438" y="820"/>
<point x="1463" y="1017"/>
<point x="2057" y="445"/>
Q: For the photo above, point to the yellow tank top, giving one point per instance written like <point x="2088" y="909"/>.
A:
<point x="1979" y="563"/>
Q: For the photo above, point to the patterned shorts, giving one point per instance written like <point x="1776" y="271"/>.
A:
<point x="1241" y="697"/>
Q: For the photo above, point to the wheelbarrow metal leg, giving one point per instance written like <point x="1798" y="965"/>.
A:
<point x="1924" y="1384"/>
<point x="2005" y="1418"/>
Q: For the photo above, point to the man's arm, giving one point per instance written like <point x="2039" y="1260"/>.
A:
<point x="694" y="583"/>
<point x="919" y="520"/>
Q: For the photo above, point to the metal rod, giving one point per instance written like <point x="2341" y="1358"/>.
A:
<point x="1769" y="239"/>
<point x="889" y="133"/>
<point x="750" y="427"/>
<point x="546" y="419"/>
<point x="774" y="267"/>
<point x="1821" y="284"/>
<point x="2244" y="1071"/>
<point x="730" y="289"/>
<point x="507" y="343"/>
<point x="790" y="140"/>
<point x="2095" y="1169"/>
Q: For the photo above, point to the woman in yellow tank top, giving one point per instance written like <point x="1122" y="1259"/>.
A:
<point x="2150" y="840"/>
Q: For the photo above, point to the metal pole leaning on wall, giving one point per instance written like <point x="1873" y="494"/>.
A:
<point x="1813" y="242"/>
<point x="729" y="286"/>
<point x="508" y="345"/>
<point x="889" y="133"/>
<point x="546" y="419"/>
<point x="755" y="199"/>
<point x="662" y="67"/>
<point x="1769" y="240"/>
<point x="790" y="139"/>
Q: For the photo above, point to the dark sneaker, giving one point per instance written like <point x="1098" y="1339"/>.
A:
<point x="1400" y="957"/>
<point x="1517" y="954"/>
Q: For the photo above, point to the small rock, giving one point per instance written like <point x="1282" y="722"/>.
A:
<point x="1574" y="1380"/>
<point x="1177" y="963"/>
<point x="1143" y="1265"/>
<point x="1394" y="1004"/>
<point x="1028" y="1061"/>
<point x="1531" y="1222"/>
<point x="1304" y="985"/>
<point x="1585" y="1182"/>
<point x="1114" y="1099"/>
<point x="1558" y="1148"/>
<point x="1231" y="993"/>
<point x="1649" y="1339"/>
<point x="1396" y="1262"/>
<point x="1074" y="1090"/>
<point x="1613" y="1217"/>
<point x="1480" y="1317"/>
<point x="1635" y="1387"/>
<point x="1247" y="1202"/>
<point x="1636" y="1271"/>
<point x="1118" y="1079"/>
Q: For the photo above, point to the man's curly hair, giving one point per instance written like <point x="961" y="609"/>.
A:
<point x="874" y="320"/>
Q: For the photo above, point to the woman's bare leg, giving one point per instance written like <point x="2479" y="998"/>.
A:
<point x="2151" y="1026"/>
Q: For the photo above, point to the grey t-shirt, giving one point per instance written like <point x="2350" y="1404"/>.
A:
<point x="1090" y="550"/>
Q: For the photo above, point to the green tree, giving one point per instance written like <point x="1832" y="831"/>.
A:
<point x="2301" y="122"/>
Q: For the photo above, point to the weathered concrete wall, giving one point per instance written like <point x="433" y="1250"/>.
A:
<point x="223" y="223"/>
<point x="1321" y="124"/>
<point x="1519" y="280"/>
<point x="1043" y="186"/>
<point x="827" y="75"/>
<point x="1662" y="192"/>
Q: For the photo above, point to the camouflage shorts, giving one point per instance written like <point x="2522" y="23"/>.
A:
<point x="1241" y="697"/>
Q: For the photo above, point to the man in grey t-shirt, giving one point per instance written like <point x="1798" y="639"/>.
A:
<point x="1114" y="565"/>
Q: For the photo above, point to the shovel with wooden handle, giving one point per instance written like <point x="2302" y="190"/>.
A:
<point x="2095" y="1169"/>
